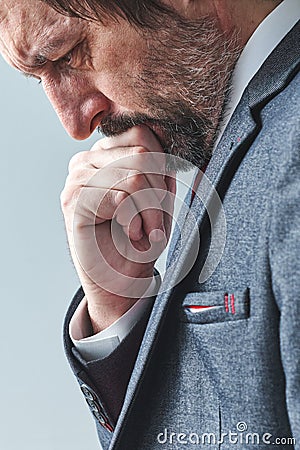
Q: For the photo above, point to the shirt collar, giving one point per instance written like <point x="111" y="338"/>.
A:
<point x="263" y="41"/>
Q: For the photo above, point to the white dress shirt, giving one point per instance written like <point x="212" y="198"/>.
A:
<point x="100" y="345"/>
<point x="260" y="45"/>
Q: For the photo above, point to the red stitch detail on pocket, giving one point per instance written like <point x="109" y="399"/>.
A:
<point x="226" y="303"/>
<point x="232" y="300"/>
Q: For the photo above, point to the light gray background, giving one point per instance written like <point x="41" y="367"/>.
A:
<point x="41" y="407"/>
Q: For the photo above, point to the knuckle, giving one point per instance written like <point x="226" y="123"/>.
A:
<point x="140" y="150"/>
<point x="78" y="159"/>
<point x="79" y="177"/>
<point x="64" y="199"/>
<point x="99" y="145"/>
<point x="67" y="198"/>
<point x="135" y="180"/>
<point x="140" y="157"/>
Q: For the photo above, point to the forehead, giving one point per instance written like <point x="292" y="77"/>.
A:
<point x="27" y="25"/>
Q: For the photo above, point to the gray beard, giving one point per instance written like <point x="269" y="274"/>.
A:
<point x="183" y="86"/>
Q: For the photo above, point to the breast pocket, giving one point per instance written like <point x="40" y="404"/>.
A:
<point x="215" y="306"/>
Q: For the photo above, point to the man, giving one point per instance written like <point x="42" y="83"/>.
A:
<point x="208" y="360"/>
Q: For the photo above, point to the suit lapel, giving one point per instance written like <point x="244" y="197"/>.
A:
<point x="277" y="71"/>
<point x="240" y="133"/>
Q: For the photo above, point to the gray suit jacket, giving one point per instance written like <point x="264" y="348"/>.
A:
<point x="232" y="373"/>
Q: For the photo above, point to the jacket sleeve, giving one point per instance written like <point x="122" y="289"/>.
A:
<point x="285" y="269"/>
<point x="104" y="382"/>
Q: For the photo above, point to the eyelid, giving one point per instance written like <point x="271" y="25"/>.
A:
<point x="63" y="58"/>
<point x="40" y="60"/>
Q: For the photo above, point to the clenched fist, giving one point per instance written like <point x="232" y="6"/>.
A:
<point x="117" y="205"/>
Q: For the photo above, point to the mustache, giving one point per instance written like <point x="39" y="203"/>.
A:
<point x="184" y="137"/>
<point x="113" y="125"/>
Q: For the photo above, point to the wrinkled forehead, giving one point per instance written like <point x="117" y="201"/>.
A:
<point x="18" y="15"/>
<point x="26" y="24"/>
<point x="4" y="8"/>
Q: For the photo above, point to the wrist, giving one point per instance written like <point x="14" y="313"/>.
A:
<point x="102" y="314"/>
<point x="107" y="308"/>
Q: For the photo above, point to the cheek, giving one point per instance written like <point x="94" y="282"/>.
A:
<point x="119" y="87"/>
<point x="117" y="69"/>
<point x="58" y="90"/>
<point x="67" y="94"/>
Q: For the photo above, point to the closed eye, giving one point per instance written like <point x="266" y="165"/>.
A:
<point x="71" y="59"/>
<point x="67" y="59"/>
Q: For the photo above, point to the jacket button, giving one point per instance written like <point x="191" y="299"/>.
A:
<point x="93" y="405"/>
<point x="99" y="417"/>
<point x="92" y="400"/>
<point x="87" y="392"/>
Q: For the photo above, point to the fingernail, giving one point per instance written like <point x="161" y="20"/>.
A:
<point x="156" y="235"/>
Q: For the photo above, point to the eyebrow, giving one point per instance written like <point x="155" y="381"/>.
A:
<point x="52" y="45"/>
<point x="40" y="58"/>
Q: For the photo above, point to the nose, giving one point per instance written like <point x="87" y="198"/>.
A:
<point x="79" y="108"/>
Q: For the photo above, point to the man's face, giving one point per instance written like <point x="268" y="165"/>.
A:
<point x="172" y="79"/>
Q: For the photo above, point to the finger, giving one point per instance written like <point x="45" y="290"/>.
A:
<point x="138" y="189"/>
<point x="139" y="135"/>
<point x="94" y="205"/>
<point x="151" y="212"/>
<point x="128" y="217"/>
<point x="123" y="180"/>
<point x="83" y="167"/>
<point x="117" y="179"/>
<point x="94" y="201"/>
<point x="134" y="230"/>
